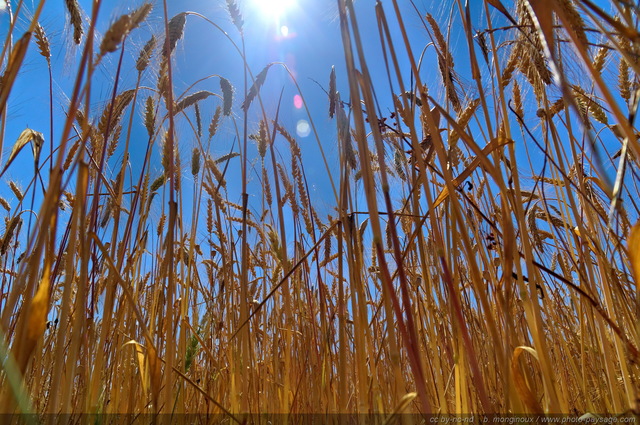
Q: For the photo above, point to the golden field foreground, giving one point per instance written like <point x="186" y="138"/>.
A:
<point x="479" y="255"/>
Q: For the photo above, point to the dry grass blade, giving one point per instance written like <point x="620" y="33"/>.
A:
<point x="11" y="71"/>
<point x="37" y="320"/>
<point x="633" y="245"/>
<point x="473" y="164"/>
<point x="404" y="402"/>
<point x="528" y="398"/>
<point x="285" y="278"/>
<point x="27" y="135"/>
<point x="140" y="358"/>
<point x="500" y="7"/>
<point x="209" y="398"/>
<point x="541" y="12"/>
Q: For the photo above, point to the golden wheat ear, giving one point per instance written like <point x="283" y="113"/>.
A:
<point x="76" y="19"/>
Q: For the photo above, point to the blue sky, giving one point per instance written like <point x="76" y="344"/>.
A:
<point x="310" y="45"/>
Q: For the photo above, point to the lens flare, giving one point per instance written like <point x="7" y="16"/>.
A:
<point x="303" y="128"/>
<point x="273" y="8"/>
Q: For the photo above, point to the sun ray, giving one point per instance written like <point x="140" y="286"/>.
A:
<point x="273" y="9"/>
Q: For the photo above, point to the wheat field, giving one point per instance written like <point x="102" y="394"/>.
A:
<point x="479" y="253"/>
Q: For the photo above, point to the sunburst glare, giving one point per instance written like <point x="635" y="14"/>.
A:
<point x="273" y="9"/>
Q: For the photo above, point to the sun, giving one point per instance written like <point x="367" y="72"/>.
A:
<point x="273" y="9"/>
